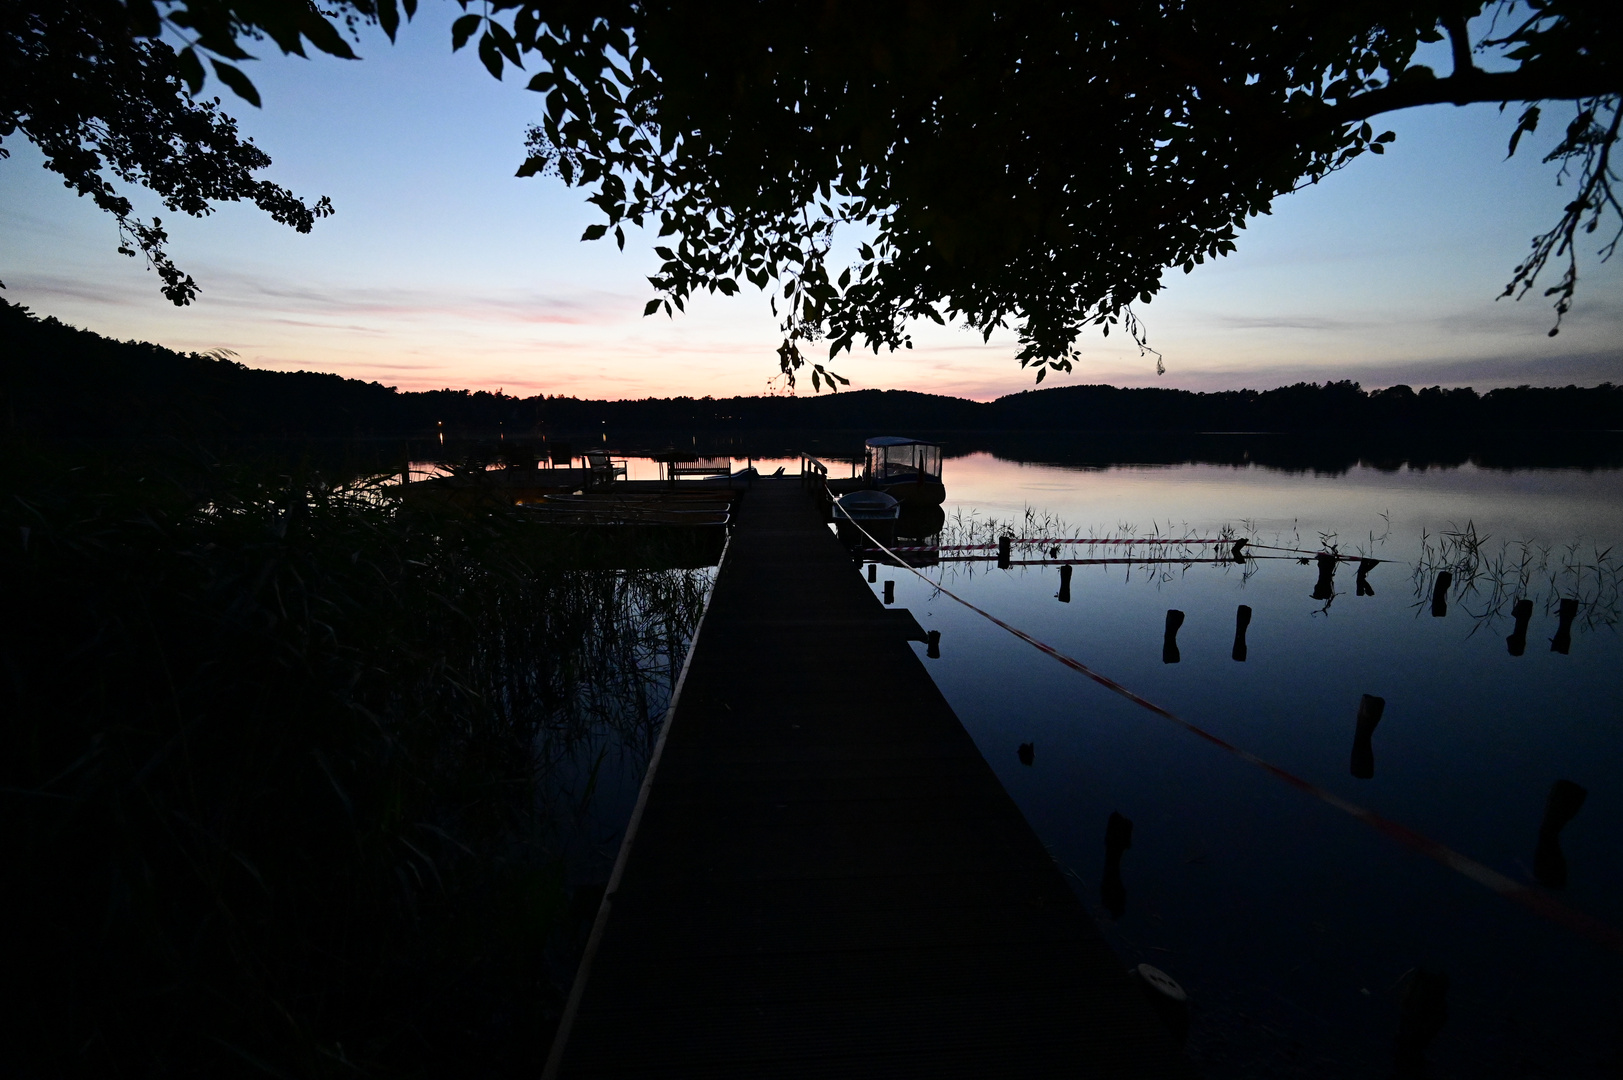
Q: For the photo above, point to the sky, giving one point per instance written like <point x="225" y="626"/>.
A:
<point x="440" y="268"/>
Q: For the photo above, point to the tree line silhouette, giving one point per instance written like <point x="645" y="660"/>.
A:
<point x="60" y="381"/>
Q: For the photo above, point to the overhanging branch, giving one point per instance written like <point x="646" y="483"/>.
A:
<point x="1474" y="85"/>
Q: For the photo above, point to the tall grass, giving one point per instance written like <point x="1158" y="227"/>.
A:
<point x="288" y="775"/>
<point x="1489" y="576"/>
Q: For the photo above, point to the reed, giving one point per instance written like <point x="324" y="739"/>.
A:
<point x="1489" y="577"/>
<point x="296" y="782"/>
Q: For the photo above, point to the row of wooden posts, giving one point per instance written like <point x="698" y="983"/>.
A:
<point x="1422" y="1002"/>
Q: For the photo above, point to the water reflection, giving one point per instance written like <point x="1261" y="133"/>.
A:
<point x="1583" y="583"/>
<point x="1272" y="914"/>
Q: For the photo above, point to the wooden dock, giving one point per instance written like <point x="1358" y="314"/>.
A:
<point x="824" y="877"/>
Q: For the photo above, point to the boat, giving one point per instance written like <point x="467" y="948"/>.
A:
<point x="868" y="505"/>
<point x="908" y="470"/>
<point x="867" y="510"/>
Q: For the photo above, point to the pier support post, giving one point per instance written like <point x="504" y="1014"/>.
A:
<point x="1169" y="641"/>
<point x="890" y="592"/>
<point x="932" y="644"/>
<point x="1238" y="554"/>
<point x="1370" y="709"/>
<point x="873" y="573"/>
<point x="1065" y="583"/>
<point x="1439" y="594"/>
<point x="1562" y="805"/>
<point x="1118" y="838"/>
<point x="1422" y="1012"/>
<point x="1364" y="588"/>
<point x="1522" y="612"/>
<point x="1242" y="621"/>
<point x="1562" y="642"/>
<point x="1004" y="546"/>
<point x="1027" y="753"/>
<point x="1325" y="587"/>
<point x="1166" y="997"/>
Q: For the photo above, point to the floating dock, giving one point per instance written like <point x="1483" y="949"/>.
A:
<point x="823" y="876"/>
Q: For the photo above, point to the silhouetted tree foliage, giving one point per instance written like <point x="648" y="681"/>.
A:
<point x="60" y="380"/>
<point x="1015" y="163"/>
<point x="90" y="84"/>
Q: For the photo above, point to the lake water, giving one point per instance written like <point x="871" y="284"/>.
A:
<point x="1290" y="923"/>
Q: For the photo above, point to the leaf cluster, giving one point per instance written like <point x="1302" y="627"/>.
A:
<point x="993" y="164"/>
<point x="107" y="101"/>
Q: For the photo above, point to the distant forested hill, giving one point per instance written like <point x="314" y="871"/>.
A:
<point x="59" y="380"/>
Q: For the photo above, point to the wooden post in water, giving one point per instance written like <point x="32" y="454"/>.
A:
<point x="890" y="592"/>
<point x="1118" y="838"/>
<point x="873" y="572"/>
<point x="1325" y="587"/>
<point x="1522" y="612"/>
<point x="1065" y="584"/>
<point x="1166" y="997"/>
<point x="1238" y="554"/>
<point x="1242" y="621"/>
<point x="1562" y="642"/>
<point x="1169" y="641"/>
<point x="932" y="644"/>
<point x="1364" y="588"/>
<point x="1027" y="753"/>
<point x="1422" y="1012"/>
<point x="1439" y="594"/>
<point x="1370" y="709"/>
<point x="1004" y="544"/>
<point x="1562" y="805"/>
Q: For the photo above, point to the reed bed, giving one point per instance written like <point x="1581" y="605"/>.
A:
<point x="1159" y="549"/>
<point x="1489" y="577"/>
<point x="297" y="783"/>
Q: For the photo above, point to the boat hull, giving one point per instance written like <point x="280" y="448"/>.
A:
<point x="916" y="492"/>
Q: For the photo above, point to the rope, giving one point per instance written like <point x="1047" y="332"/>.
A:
<point x="1535" y="901"/>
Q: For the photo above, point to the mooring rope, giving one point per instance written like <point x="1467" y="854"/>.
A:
<point x="1532" y="899"/>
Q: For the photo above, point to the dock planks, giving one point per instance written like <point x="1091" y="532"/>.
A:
<point x="826" y="878"/>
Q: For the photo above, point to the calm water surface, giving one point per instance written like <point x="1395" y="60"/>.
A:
<point x="1290" y="923"/>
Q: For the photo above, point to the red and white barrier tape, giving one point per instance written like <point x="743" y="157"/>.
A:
<point x="1534" y="900"/>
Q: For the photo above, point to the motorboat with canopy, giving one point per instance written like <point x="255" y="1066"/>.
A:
<point x="908" y="470"/>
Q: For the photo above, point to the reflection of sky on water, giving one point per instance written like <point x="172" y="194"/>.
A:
<point x="1289" y="921"/>
<point x="1552" y="505"/>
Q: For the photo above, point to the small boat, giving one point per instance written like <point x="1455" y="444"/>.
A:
<point x="870" y="511"/>
<point x="867" y="506"/>
<point x="909" y="470"/>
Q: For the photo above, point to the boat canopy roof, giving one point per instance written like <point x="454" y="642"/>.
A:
<point x="898" y="440"/>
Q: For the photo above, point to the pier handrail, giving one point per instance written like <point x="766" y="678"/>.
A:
<point x="814" y="478"/>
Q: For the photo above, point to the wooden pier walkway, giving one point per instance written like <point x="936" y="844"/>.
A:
<point x="825" y="878"/>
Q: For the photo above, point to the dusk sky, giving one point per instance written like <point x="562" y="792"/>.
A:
<point x="442" y="269"/>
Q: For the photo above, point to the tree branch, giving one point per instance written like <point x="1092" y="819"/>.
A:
<point x="1566" y="85"/>
<point x="1459" y="43"/>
